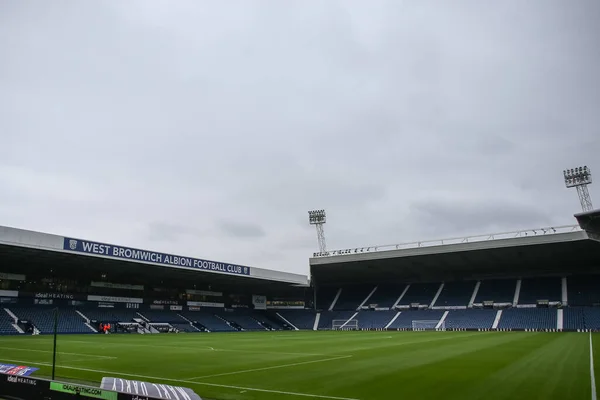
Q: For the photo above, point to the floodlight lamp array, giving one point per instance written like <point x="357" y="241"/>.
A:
<point x="316" y="217"/>
<point x="577" y="176"/>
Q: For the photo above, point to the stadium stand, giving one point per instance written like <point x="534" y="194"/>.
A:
<point x="498" y="291"/>
<point x="325" y="297"/>
<point x="574" y="318"/>
<point x="470" y="319"/>
<point x="456" y="294"/>
<point x="374" y="319"/>
<point x="243" y="318"/>
<point x="421" y="293"/>
<point x="6" y="322"/>
<point x="42" y="317"/>
<point x="168" y="317"/>
<point x="528" y="318"/>
<point x="405" y="319"/>
<point x="110" y="315"/>
<point x="351" y="297"/>
<point x="583" y="290"/>
<point x="327" y="318"/>
<point x="301" y="319"/>
<point x="386" y="295"/>
<point x="534" y="289"/>
<point x="208" y="320"/>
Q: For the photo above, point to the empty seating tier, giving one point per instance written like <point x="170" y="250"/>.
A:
<point x="498" y="291"/>
<point x="583" y="290"/>
<point x="325" y="297"/>
<point x="528" y="318"/>
<point x="6" y="322"/>
<point x="470" y="319"/>
<point x="43" y="319"/>
<point x="208" y="320"/>
<point x="374" y="319"/>
<point x="456" y="294"/>
<point x="327" y="318"/>
<point x="386" y="295"/>
<point x="405" y="319"/>
<point x="352" y="296"/>
<point x="536" y="289"/>
<point x="421" y="293"/>
<point x="301" y="319"/>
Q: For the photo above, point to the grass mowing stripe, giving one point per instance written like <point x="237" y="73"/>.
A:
<point x="158" y="379"/>
<point x="592" y="376"/>
<point x="272" y="367"/>
<point x="59" y="353"/>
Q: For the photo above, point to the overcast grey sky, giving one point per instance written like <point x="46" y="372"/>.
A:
<point x="209" y="129"/>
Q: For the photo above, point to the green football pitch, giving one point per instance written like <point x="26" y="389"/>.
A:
<point x="328" y="365"/>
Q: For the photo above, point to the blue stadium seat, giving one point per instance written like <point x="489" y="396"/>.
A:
<point x="583" y="290"/>
<point x="535" y="289"/>
<point x="422" y="293"/>
<point x="386" y="295"/>
<point x="374" y="319"/>
<point x="42" y="317"/>
<point x="327" y="318"/>
<point x="574" y="318"/>
<point x="352" y="296"/>
<point x="209" y="320"/>
<point x="301" y="319"/>
<point x="6" y="322"/>
<point x="470" y="319"/>
<point x="498" y="291"/>
<point x="167" y="317"/>
<point x="456" y="294"/>
<point x="325" y="297"/>
<point x="528" y="318"/>
<point x="404" y="320"/>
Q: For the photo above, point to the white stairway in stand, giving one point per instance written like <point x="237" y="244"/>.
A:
<point x="317" y="318"/>
<point x="437" y="295"/>
<point x="286" y="321"/>
<point x="393" y="319"/>
<point x="442" y="320"/>
<point x="517" y="293"/>
<point x="337" y="296"/>
<point x="497" y="319"/>
<point x="559" y="319"/>
<point x="366" y="299"/>
<point x="474" y="295"/>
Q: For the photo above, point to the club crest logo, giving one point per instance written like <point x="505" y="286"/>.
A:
<point x="245" y="270"/>
<point x="73" y="244"/>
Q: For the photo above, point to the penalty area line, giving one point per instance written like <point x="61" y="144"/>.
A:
<point x="158" y="379"/>
<point x="272" y="367"/>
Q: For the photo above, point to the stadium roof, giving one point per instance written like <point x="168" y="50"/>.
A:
<point x="26" y="246"/>
<point x="532" y="252"/>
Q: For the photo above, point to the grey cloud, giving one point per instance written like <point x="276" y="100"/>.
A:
<point x="241" y="229"/>
<point x="476" y="217"/>
<point x="157" y="124"/>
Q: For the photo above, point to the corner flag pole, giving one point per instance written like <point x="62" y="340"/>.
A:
<point x="54" y="349"/>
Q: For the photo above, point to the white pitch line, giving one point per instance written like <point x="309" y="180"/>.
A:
<point x="206" y="348"/>
<point x="158" y="379"/>
<point x="272" y="367"/>
<point x="592" y="375"/>
<point x="59" y="352"/>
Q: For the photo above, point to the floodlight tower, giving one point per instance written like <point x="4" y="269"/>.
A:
<point x="318" y="219"/>
<point x="580" y="178"/>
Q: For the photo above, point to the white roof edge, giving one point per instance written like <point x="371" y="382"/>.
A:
<point x="439" y="248"/>
<point x="51" y="242"/>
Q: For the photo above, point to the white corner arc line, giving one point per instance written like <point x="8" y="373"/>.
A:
<point x="272" y="367"/>
<point x="592" y="375"/>
<point x="158" y="379"/>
